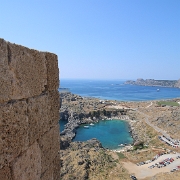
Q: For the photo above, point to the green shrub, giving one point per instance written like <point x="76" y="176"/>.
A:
<point x="121" y="155"/>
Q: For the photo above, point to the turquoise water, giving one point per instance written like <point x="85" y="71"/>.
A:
<point x="110" y="133"/>
<point x="62" y="123"/>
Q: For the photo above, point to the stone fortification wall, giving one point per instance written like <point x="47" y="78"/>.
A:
<point x="29" y="114"/>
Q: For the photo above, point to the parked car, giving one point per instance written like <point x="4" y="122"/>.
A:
<point x="133" y="177"/>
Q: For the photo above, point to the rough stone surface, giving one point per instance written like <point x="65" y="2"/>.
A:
<point x="53" y="107"/>
<point x="48" y="174"/>
<point x="56" y="168"/>
<point x="28" y="166"/>
<point x="14" y="131"/>
<point x="52" y="71"/>
<point x="38" y="117"/>
<point x="49" y="145"/>
<point x="5" y="77"/>
<point x="29" y="114"/>
<point x="5" y="173"/>
<point x="28" y="70"/>
<point x="53" y="172"/>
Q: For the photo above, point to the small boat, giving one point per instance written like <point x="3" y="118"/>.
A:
<point x="86" y="126"/>
<point x="92" y="124"/>
<point x="121" y="145"/>
<point x="157" y="90"/>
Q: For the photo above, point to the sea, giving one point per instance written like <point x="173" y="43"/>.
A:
<point x="112" y="133"/>
<point x="117" y="90"/>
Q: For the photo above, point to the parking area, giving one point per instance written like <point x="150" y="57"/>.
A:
<point x="170" y="141"/>
<point x="161" y="164"/>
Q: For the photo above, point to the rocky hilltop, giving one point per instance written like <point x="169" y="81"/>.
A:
<point x="153" y="82"/>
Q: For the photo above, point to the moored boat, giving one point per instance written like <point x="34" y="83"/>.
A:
<point x="121" y="145"/>
<point x="86" y="126"/>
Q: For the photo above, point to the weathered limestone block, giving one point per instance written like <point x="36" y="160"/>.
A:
<point x="23" y="71"/>
<point x="5" y="173"/>
<point x="48" y="174"/>
<point x="43" y="113"/>
<point x="14" y="131"/>
<point x="52" y="71"/>
<point x="49" y="145"/>
<point x="38" y="117"/>
<point x="53" y="172"/>
<point x="28" y="68"/>
<point x="53" y="107"/>
<point x="5" y="77"/>
<point x="28" y="166"/>
<point x="56" y="168"/>
<point x="29" y="114"/>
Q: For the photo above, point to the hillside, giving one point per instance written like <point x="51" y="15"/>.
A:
<point x="89" y="160"/>
<point x="153" y="82"/>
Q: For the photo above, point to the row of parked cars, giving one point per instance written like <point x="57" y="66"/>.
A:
<point x="170" y="141"/>
<point x="149" y="161"/>
<point x="175" y="169"/>
<point x="178" y="167"/>
<point x="162" y="163"/>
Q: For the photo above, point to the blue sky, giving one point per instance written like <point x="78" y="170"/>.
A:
<point x="99" y="39"/>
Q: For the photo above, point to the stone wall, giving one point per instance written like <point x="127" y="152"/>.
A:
<point x="29" y="114"/>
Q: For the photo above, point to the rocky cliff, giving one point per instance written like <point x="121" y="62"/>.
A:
<point x="77" y="110"/>
<point x="152" y="82"/>
<point x="177" y="84"/>
<point x="29" y="114"/>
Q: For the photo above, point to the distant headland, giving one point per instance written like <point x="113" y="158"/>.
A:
<point x="153" y="82"/>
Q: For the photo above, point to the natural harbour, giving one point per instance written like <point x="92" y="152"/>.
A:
<point x="111" y="133"/>
<point x="144" y="119"/>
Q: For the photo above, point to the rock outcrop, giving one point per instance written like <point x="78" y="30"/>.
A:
<point x="29" y="114"/>
<point x="152" y="82"/>
<point x="177" y="84"/>
<point x="77" y="110"/>
<point x="81" y="159"/>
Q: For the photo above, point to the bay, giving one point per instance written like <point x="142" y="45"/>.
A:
<point x="115" y="132"/>
<point x="110" y="133"/>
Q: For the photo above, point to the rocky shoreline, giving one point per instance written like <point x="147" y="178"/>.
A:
<point x="76" y="117"/>
<point x="86" y="160"/>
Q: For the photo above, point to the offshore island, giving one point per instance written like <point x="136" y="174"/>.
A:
<point x="155" y="129"/>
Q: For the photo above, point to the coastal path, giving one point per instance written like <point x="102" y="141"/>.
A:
<point x="150" y="124"/>
<point x="149" y="105"/>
